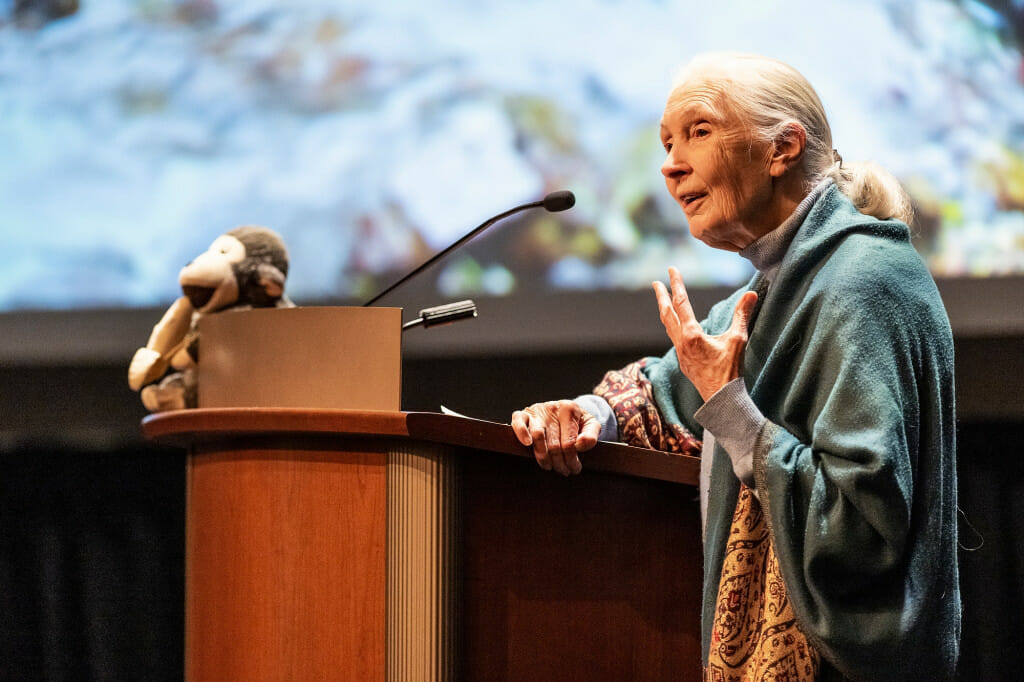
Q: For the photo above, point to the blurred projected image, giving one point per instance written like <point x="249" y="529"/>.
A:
<point x="371" y="135"/>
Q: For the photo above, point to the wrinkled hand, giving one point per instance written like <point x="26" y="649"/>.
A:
<point x="558" y="431"/>
<point x="710" y="362"/>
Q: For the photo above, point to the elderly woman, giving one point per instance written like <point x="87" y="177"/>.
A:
<point x="821" y="392"/>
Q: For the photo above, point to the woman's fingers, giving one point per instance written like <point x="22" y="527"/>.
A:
<point x="531" y="428"/>
<point x="569" y="430"/>
<point x="680" y="298"/>
<point x="709" y="362"/>
<point x="675" y="310"/>
<point x="521" y="427"/>
<point x="558" y="431"/>
<point x="741" y="315"/>
<point x="666" y="312"/>
<point x="589" y="432"/>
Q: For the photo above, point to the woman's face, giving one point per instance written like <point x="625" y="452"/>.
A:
<point x="718" y="176"/>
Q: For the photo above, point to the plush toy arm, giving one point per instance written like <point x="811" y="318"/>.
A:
<point x="151" y="362"/>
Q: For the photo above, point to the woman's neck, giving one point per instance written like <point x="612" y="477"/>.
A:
<point x="766" y="252"/>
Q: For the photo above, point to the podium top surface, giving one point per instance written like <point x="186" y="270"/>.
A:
<point x="184" y="427"/>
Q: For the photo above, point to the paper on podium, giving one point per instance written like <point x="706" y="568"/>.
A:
<point x="316" y="357"/>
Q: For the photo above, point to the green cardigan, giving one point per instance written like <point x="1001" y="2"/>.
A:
<point x="850" y="359"/>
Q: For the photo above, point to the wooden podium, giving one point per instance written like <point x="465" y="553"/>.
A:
<point x="355" y="545"/>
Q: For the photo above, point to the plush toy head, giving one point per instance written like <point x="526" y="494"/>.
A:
<point x="244" y="267"/>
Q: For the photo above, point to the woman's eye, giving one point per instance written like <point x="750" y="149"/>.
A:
<point x="667" y="146"/>
<point x="701" y="131"/>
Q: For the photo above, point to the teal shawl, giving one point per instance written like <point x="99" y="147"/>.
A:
<point x="850" y="359"/>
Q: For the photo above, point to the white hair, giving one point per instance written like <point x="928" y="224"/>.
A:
<point x="768" y="97"/>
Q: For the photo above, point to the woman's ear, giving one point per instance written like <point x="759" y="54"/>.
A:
<point x="788" y="149"/>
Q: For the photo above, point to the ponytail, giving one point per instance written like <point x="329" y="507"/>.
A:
<point x="873" y="190"/>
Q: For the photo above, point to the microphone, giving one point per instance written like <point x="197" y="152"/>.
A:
<point x="553" y="202"/>
<point x="557" y="201"/>
<point x="443" y="314"/>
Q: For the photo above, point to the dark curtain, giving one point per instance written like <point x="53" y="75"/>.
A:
<point x="991" y="477"/>
<point x="92" y="560"/>
<point x="91" y="564"/>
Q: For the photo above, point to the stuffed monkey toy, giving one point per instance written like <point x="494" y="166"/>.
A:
<point x="243" y="268"/>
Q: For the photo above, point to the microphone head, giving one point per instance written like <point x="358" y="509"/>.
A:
<point x="559" y="201"/>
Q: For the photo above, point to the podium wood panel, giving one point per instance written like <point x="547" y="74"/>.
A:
<point x="604" y="583"/>
<point x="285" y="562"/>
<point x="335" y="544"/>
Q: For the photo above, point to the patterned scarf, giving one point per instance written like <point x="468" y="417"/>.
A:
<point x="629" y="393"/>
<point x="755" y="634"/>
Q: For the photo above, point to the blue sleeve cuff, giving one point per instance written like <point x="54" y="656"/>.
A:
<point x="735" y="421"/>
<point x="599" y="407"/>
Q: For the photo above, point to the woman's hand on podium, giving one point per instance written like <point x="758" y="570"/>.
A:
<point x="558" y="430"/>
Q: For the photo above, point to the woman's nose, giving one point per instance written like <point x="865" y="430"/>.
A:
<point x="673" y="164"/>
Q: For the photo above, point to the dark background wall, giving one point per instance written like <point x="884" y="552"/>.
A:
<point x="91" y="516"/>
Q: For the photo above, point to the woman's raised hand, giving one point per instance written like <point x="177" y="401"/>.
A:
<point x="710" y="362"/>
<point x="558" y="430"/>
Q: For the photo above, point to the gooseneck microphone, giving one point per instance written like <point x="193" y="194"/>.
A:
<point x="553" y="202"/>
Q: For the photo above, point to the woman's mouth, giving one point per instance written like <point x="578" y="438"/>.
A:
<point x="688" y="200"/>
